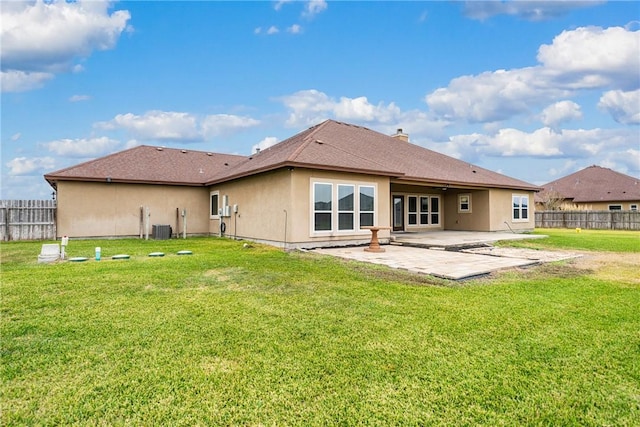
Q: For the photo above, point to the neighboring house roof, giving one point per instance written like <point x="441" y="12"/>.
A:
<point x="331" y="145"/>
<point x="595" y="184"/>
<point x="151" y="165"/>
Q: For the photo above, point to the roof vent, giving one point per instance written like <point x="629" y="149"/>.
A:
<point x="183" y="151"/>
<point x="159" y="148"/>
<point x="319" y="141"/>
<point x="257" y="150"/>
<point x="209" y="154"/>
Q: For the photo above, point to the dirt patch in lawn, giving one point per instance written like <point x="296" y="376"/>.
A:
<point x="621" y="267"/>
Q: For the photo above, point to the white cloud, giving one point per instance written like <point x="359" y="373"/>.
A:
<point x="20" y="81"/>
<point x="585" y="58"/>
<point x="593" y="57"/>
<point x="309" y="107"/>
<point x="360" y="109"/>
<point x="273" y="30"/>
<point x="278" y="5"/>
<point x="567" y="168"/>
<point x="16" y="136"/>
<point x="492" y="96"/>
<point x="542" y="143"/>
<point x="294" y="29"/>
<point x="264" y="144"/>
<point x="225" y="124"/>
<point x="79" y="98"/>
<point x="82" y="148"/>
<point x="624" y="107"/>
<point x="314" y="7"/>
<point x="177" y="126"/>
<point x="42" y="38"/>
<point x="157" y="125"/>
<point x="536" y="10"/>
<point x="560" y="112"/>
<point x="29" y="165"/>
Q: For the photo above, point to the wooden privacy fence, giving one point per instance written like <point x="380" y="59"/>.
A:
<point x="27" y="220"/>
<point x="602" y="220"/>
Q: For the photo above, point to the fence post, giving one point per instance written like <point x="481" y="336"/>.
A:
<point x="6" y="223"/>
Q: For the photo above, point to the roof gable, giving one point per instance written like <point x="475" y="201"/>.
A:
<point x="596" y="184"/>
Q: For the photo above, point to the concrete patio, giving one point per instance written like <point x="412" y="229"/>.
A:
<point x="450" y="255"/>
<point x="456" y="239"/>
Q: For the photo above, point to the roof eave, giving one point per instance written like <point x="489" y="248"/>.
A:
<point x="462" y="184"/>
<point x="53" y="180"/>
<point x="290" y="164"/>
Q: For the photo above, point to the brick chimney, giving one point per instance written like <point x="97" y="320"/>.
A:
<point x="401" y="135"/>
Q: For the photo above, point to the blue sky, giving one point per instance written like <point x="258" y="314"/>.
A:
<point x="532" y="89"/>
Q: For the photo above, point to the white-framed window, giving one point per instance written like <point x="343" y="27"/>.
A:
<point x="322" y="206"/>
<point x="346" y="207"/>
<point x="367" y="203"/>
<point x="342" y="207"/>
<point x="214" y="204"/>
<point x="633" y="207"/>
<point x="412" y="210"/>
<point x="464" y="203"/>
<point x="615" y="207"/>
<point x="424" y="210"/>
<point x="520" y="207"/>
<point x="434" y="217"/>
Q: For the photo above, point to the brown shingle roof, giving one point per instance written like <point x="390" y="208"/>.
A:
<point x="596" y="184"/>
<point x="340" y="146"/>
<point x="147" y="164"/>
<point x="331" y="145"/>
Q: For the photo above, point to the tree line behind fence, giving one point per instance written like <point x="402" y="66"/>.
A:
<point x="27" y="220"/>
<point x="597" y="220"/>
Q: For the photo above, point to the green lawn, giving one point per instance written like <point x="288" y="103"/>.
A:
<point x="592" y="240"/>
<point x="256" y="336"/>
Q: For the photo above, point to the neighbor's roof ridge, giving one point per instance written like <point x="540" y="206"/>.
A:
<point x="596" y="184"/>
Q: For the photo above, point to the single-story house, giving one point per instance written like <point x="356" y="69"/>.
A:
<point x="592" y="188"/>
<point x="321" y="187"/>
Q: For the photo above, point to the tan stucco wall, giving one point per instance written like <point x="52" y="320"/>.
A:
<point x="263" y="199"/>
<point x="478" y="219"/>
<point x="501" y="211"/>
<point x="89" y="209"/>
